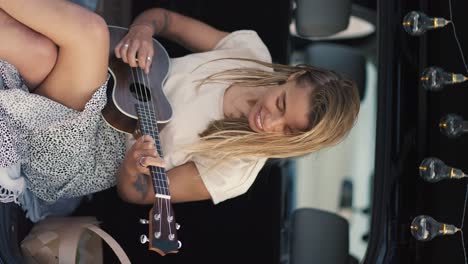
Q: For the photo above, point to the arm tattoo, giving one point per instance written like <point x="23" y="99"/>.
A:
<point x="142" y="185"/>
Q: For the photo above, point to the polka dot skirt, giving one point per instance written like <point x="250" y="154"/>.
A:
<point x="62" y="152"/>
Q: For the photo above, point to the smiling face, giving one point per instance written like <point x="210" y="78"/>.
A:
<point x="281" y="109"/>
<point x="260" y="113"/>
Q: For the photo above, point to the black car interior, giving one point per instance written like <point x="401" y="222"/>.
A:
<point x="260" y="226"/>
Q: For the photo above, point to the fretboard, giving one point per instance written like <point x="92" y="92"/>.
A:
<point x="149" y="126"/>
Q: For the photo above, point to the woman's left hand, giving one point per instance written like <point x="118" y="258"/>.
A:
<point x="136" y="48"/>
<point x="133" y="180"/>
<point x="142" y="154"/>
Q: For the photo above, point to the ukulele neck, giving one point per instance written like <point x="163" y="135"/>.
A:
<point x="149" y="126"/>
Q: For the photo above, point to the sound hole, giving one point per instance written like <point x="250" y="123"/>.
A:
<point x="140" y="92"/>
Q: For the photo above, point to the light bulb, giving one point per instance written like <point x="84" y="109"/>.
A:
<point x="416" y="23"/>
<point x="425" y="228"/>
<point x="435" y="78"/>
<point x="434" y="170"/>
<point x="453" y="125"/>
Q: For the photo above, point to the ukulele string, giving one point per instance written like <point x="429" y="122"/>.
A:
<point x="140" y="95"/>
<point x="153" y="126"/>
<point x="160" y="170"/>
<point x="158" y="178"/>
<point x="154" y="123"/>
<point x="139" y="92"/>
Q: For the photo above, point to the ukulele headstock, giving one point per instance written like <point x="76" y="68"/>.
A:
<point x="162" y="236"/>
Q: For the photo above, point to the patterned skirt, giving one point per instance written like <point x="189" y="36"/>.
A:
<point x="62" y="152"/>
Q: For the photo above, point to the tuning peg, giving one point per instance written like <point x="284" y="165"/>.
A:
<point x="157" y="234"/>
<point x="180" y="244"/>
<point x="143" y="239"/>
<point x="144" y="221"/>
<point x="177" y="226"/>
<point x="157" y="217"/>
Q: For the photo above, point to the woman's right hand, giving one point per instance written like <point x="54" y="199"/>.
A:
<point x="136" y="48"/>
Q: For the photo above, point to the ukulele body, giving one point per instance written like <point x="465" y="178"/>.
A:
<point x="130" y="86"/>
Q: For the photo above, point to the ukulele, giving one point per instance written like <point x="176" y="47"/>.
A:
<point x="137" y="105"/>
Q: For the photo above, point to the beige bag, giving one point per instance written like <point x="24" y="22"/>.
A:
<point x="68" y="240"/>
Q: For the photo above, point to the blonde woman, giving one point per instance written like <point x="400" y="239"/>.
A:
<point x="232" y="108"/>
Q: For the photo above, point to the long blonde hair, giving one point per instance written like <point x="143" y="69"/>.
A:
<point x="334" y="104"/>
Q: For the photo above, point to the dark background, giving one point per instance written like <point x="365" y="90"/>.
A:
<point x="245" y="229"/>
<point x="445" y="200"/>
<point x="270" y="18"/>
<point x="407" y="132"/>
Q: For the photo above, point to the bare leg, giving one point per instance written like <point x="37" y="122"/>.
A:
<point x="82" y="38"/>
<point x="33" y="54"/>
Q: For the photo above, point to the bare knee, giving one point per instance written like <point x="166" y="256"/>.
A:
<point x="93" y="29"/>
<point x="33" y="54"/>
<point x="100" y="35"/>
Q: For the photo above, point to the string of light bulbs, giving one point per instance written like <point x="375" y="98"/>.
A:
<point x="423" y="227"/>
<point x="462" y="223"/>
<point x="456" y="36"/>
<point x="466" y="189"/>
<point x="416" y="23"/>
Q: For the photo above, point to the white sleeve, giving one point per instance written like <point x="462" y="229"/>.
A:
<point x="228" y="179"/>
<point x="245" y="39"/>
